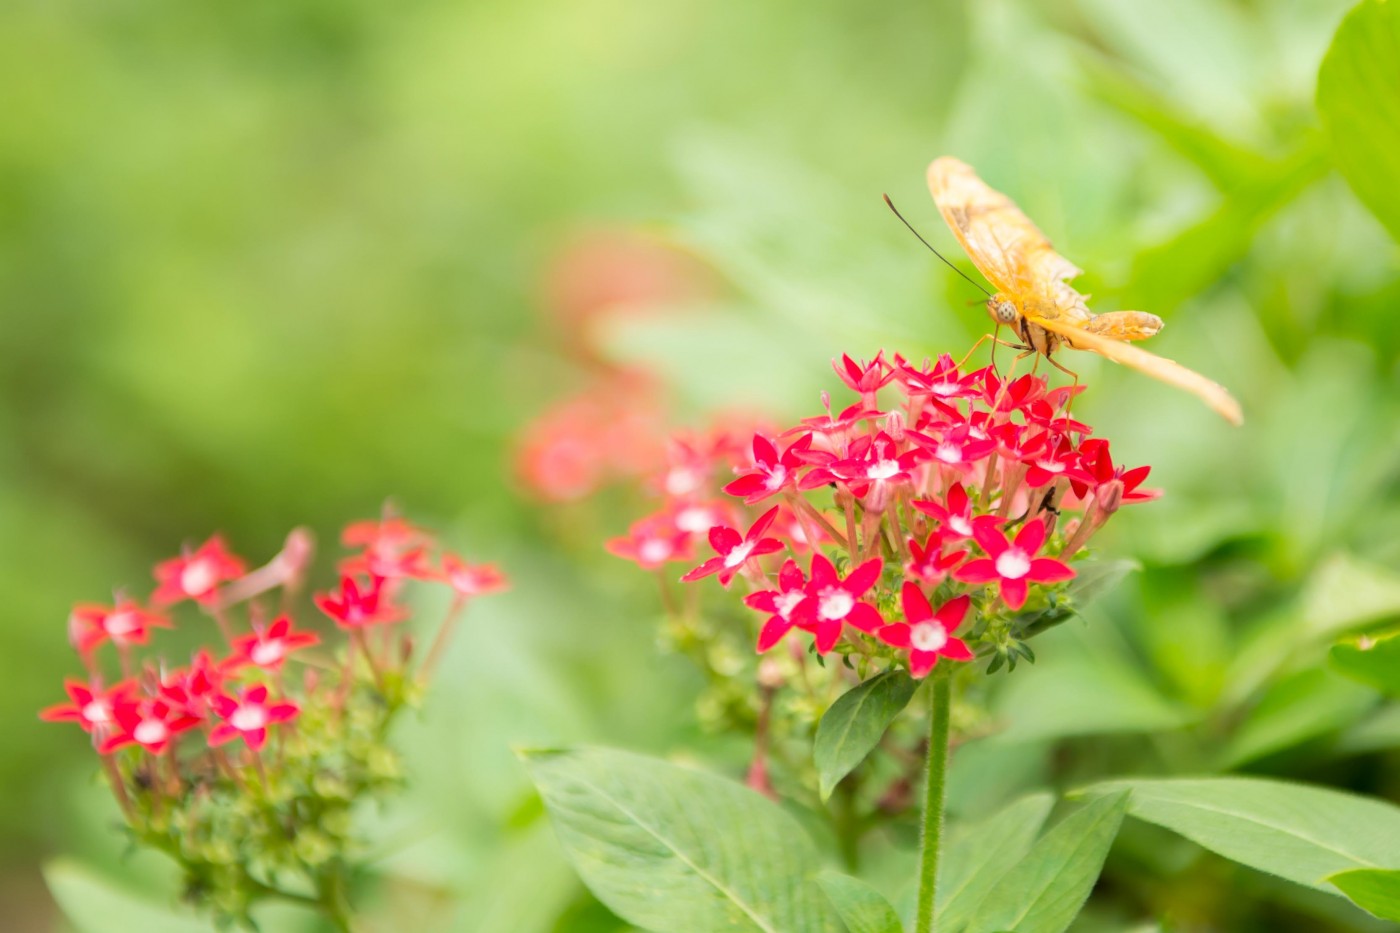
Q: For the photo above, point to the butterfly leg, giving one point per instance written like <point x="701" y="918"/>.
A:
<point x="1073" y="386"/>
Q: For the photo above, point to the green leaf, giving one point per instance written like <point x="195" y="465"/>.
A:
<point x="1301" y="707"/>
<point x="1347" y="592"/>
<point x="855" y="724"/>
<point x="94" y="905"/>
<point x="978" y="855"/>
<point x="1372" y="661"/>
<point x="1042" y="893"/>
<point x="863" y="909"/>
<point x="1297" y="832"/>
<point x="656" y="842"/>
<point x="1373" y="890"/>
<point x="1358" y="93"/>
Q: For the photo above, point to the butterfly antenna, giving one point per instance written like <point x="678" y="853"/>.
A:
<point x="932" y="250"/>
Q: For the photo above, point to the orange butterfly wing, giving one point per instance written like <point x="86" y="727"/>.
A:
<point x="1016" y="257"/>
<point x="1158" y="367"/>
<point x="1003" y="243"/>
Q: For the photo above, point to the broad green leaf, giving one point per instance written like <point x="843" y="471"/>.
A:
<point x="1372" y="661"/>
<point x="862" y="908"/>
<point x="1347" y="592"/>
<point x="1294" y="831"/>
<point x="1378" y="731"/>
<point x="1358" y="94"/>
<point x="1043" y="892"/>
<point x="94" y="905"/>
<point x="1373" y="890"/>
<point x="855" y="723"/>
<point x="977" y="856"/>
<point x="657" y="843"/>
<point x="1301" y="707"/>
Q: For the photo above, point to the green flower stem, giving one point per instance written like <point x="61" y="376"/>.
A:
<point x="935" y="783"/>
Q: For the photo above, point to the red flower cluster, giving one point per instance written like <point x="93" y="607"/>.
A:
<point x="237" y="692"/>
<point x="957" y="485"/>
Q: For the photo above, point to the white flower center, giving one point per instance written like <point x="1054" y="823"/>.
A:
<point x="268" y="652"/>
<point x="776" y="477"/>
<point x="198" y="578"/>
<point x="786" y="602"/>
<point x="949" y="452"/>
<point x="961" y="525"/>
<point x="248" y="718"/>
<point x="682" y="481"/>
<point x="696" y="519"/>
<point x="150" y="731"/>
<point x="882" y="470"/>
<point x="945" y="388"/>
<point x="835" y="604"/>
<point x="1051" y="466"/>
<point x="740" y="554"/>
<point x="119" y="624"/>
<point x="97" y="712"/>
<point x="654" y="550"/>
<point x="927" y="636"/>
<point x="1013" y="564"/>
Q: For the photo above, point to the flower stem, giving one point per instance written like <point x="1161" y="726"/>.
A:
<point x="940" y="696"/>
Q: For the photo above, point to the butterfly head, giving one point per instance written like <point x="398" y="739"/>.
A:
<point x="1003" y="310"/>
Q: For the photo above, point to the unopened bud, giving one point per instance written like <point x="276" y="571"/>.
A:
<point x="1110" y="496"/>
<point x="770" y="674"/>
<point x="894" y="426"/>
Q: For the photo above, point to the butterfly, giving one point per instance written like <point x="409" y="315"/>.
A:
<point x="1033" y="295"/>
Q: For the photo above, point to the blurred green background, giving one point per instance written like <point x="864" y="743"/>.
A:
<point x="270" y="263"/>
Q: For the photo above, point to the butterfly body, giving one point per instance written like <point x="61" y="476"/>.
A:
<point x="1033" y="294"/>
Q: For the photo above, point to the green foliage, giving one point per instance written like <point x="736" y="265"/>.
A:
<point x="1358" y="94"/>
<point x="856" y="723"/>
<point x="978" y="856"/>
<point x="94" y="905"/>
<point x="657" y="843"/>
<point x="1374" y="890"/>
<point x="1294" y="831"/>
<point x="1371" y="661"/>
<point x="1043" y="892"/>
<point x="862" y="908"/>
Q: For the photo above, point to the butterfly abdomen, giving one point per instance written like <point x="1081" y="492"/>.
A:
<point x="1124" y="325"/>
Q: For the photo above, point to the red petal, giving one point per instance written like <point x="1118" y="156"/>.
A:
<point x="865" y="617"/>
<point x="1049" y="570"/>
<point x="951" y="614"/>
<point x="990" y="538"/>
<point x="864" y="577"/>
<point x="1031" y="536"/>
<point x="773" y="631"/>
<point x="896" y="636"/>
<point x="1013" y="593"/>
<point x="916" y="607"/>
<point x="724" y="539"/>
<point x="828" y="633"/>
<point x="956" y="649"/>
<point x="921" y="662"/>
<point x="981" y="570"/>
<point x="758" y="528"/>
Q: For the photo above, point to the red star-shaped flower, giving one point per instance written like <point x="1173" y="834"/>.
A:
<point x="248" y="716"/>
<point x="93" y="709"/>
<point x="771" y="473"/>
<point x="733" y="551"/>
<point x="269" y="647"/>
<point x="928" y="561"/>
<point x="1012" y="565"/>
<point x="832" y="603"/>
<point x="925" y="634"/>
<point x="151" y="723"/>
<point x="472" y="579"/>
<point x="126" y="623"/>
<point x="780" y="604"/>
<point x="196" y="576"/>
<point x="353" y="607"/>
<point x="1100" y="469"/>
<point x="651" y="542"/>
